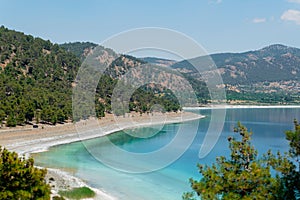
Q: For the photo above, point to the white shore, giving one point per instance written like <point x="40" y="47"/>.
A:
<point x="26" y="140"/>
<point x="65" y="181"/>
<point x="228" y="106"/>
<point x="29" y="140"/>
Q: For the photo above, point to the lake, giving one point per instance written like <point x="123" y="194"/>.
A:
<point x="268" y="126"/>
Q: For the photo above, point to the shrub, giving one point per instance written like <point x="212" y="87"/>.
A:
<point x="19" y="179"/>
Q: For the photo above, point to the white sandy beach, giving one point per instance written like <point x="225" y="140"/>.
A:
<point x="26" y="140"/>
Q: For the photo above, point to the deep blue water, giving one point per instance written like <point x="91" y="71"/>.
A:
<point x="268" y="126"/>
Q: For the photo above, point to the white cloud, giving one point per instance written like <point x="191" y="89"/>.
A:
<point x="291" y="15"/>
<point x="259" y="20"/>
<point x="294" y="1"/>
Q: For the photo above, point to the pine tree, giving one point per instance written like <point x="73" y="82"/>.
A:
<point x="2" y="117"/>
<point x="19" y="179"/>
<point x="11" y="121"/>
<point x="243" y="176"/>
<point x="291" y="174"/>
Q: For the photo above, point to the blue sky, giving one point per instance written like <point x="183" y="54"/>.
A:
<point x="218" y="25"/>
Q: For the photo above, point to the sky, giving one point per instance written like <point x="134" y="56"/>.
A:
<point x="217" y="25"/>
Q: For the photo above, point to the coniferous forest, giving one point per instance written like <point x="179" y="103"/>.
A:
<point x="36" y="79"/>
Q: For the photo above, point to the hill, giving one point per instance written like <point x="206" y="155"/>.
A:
<point x="37" y="79"/>
<point x="168" y="79"/>
<point x="272" y="63"/>
<point x="268" y="75"/>
<point x="271" y="74"/>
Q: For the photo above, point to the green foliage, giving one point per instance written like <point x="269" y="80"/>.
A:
<point x="2" y="117"/>
<point x="291" y="173"/>
<point x="11" y="121"/>
<point x="243" y="176"/>
<point x="141" y="100"/>
<point x="35" y="75"/>
<point x="78" y="48"/>
<point x="261" y="97"/>
<point x="200" y="88"/>
<point x="294" y="138"/>
<point x="19" y="179"/>
<point x="78" y="193"/>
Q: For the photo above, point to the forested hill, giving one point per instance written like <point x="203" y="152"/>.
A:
<point x="35" y="79"/>
<point x="168" y="78"/>
<point x="267" y="75"/>
<point x="272" y="63"/>
<point x="144" y="97"/>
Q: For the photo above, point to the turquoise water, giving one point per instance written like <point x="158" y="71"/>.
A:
<point x="268" y="125"/>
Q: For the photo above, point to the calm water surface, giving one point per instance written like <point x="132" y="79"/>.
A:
<point x="268" y="125"/>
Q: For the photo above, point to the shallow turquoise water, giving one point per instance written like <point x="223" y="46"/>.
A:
<point x="268" y="125"/>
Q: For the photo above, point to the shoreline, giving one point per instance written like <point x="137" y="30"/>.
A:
<point x="228" y="106"/>
<point x="62" y="180"/>
<point x="18" y="139"/>
<point x="25" y="140"/>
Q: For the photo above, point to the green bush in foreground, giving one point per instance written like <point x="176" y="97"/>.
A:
<point x="78" y="193"/>
<point x="291" y="175"/>
<point x="19" y="179"/>
<point x="245" y="176"/>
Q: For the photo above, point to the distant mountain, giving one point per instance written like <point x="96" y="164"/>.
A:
<point x="273" y="69"/>
<point x="272" y="63"/>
